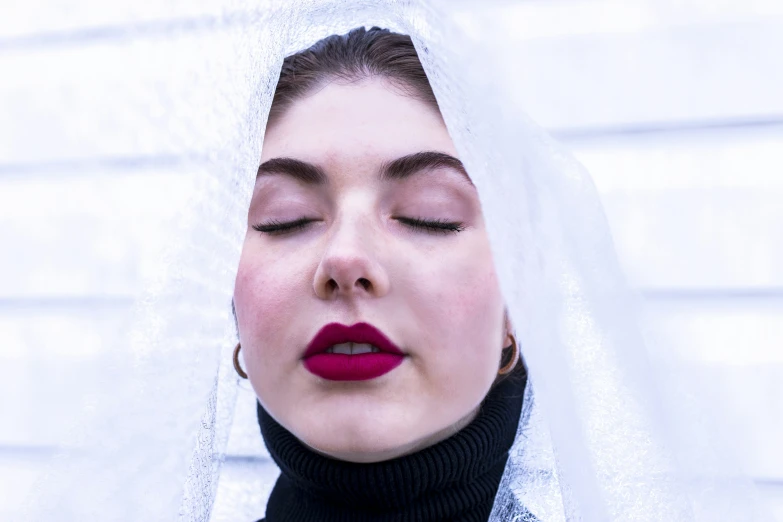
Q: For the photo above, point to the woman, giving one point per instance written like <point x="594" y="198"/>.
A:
<point x="371" y="320"/>
<point x="417" y="216"/>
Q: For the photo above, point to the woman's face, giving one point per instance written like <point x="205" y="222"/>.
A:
<point x="352" y="167"/>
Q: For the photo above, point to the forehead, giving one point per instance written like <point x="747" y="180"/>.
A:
<point x="365" y="121"/>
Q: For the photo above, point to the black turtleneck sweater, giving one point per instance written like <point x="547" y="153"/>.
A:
<point x="453" y="480"/>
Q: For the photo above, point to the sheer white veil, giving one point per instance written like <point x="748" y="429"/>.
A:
<point x="607" y="433"/>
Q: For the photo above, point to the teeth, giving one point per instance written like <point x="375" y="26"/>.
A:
<point x="352" y="348"/>
<point x="344" y="348"/>
<point x="361" y="348"/>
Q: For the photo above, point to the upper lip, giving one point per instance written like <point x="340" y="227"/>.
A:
<point x="336" y="333"/>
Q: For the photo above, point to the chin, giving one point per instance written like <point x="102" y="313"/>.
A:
<point x="359" y="453"/>
<point x="358" y="441"/>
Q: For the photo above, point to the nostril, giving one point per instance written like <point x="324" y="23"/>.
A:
<point x="365" y="283"/>
<point x="332" y="284"/>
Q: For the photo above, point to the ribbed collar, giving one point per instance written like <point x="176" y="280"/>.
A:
<point x="455" y="479"/>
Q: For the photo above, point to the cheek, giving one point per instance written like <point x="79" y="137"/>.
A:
<point x="265" y="296"/>
<point x="477" y="309"/>
<point x="462" y="303"/>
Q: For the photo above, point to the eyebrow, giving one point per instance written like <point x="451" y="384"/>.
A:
<point x="297" y="169"/>
<point x="395" y="170"/>
<point x="406" y="166"/>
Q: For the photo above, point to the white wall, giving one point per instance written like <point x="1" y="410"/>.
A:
<point x="675" y="108"/>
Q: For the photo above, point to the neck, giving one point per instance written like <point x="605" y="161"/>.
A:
<point x="413" y="447"/>
<point x="455" y="478"/>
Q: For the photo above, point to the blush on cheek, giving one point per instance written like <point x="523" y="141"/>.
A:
<point x="474" y="288"/>
<point x="481" y="308"/>
<point x="248" y="299"/>
<point x="266" y="296"/>
<point x="259" y="300"/>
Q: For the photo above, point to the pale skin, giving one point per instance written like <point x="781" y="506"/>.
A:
<point x="434" y="293"/>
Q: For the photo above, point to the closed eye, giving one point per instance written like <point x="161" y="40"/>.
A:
<point x="436" y="226"/>
<point x="274" y="227"/>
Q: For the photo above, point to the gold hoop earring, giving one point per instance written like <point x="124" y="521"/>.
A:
<point x="237" y="367"/>
<point x="514" y="358"/>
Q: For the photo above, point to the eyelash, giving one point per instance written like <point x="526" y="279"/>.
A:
<point x="275" y="227"/>
<point x="432" y="226"/>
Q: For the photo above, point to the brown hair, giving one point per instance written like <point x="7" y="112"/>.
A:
<point x="362" y="53"/>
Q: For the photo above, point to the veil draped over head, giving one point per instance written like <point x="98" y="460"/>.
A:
<point x="605" y="433"/>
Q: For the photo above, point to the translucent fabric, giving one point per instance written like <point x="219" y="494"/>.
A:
<point x="606" y="434"/>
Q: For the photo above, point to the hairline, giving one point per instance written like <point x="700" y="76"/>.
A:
<point x="398" y="85"/>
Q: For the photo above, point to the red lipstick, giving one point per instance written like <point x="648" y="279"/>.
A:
<point x="353" y="367"/>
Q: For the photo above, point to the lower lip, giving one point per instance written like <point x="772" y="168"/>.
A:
<point x="344" y="367"/>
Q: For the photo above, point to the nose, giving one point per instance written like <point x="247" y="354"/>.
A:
<point x="350" y="265"/>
